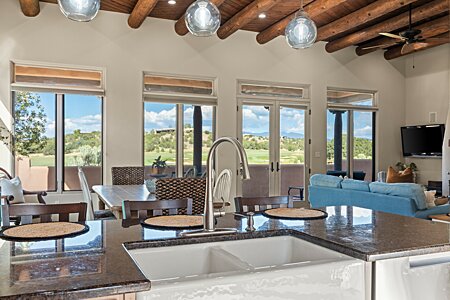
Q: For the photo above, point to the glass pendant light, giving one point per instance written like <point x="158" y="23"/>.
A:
<point x="301" y="32"/>
<point x="79" y="10"/>
<point x="202" y="18"/>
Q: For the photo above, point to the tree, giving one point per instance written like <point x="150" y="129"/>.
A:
<point x="29" y="124"/>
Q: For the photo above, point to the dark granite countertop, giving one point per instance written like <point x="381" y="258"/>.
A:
<point x="96" y="263"/>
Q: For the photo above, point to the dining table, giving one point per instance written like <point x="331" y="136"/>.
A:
<point x="112" y="196"/>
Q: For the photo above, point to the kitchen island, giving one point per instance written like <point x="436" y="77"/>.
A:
<point x="97" y="264"/>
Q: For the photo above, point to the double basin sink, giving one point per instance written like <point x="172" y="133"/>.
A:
<point x="181" y="263"/>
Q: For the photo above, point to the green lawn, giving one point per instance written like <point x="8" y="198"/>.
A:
<point x="254" y="157"/>
<point x="40" y="160"/>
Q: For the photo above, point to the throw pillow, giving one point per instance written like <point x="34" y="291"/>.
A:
<point x="405" y="176"/>
<point x="429" y="197"/>
<point x="13" y="188"/>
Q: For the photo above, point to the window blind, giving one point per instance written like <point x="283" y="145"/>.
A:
<point x="56" y="79"/>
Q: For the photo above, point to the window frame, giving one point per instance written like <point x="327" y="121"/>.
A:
<point x="179" y="132"/>
<point x="351" y="109"/>
<point x="60" y="139"/>
<point x="60" y="91"/>
<point x="179" y="99"/>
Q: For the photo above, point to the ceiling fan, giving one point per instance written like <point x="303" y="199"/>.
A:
<point x="410" y="39"/>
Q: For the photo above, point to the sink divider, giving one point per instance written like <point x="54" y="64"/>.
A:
<point x="236" y="261"/>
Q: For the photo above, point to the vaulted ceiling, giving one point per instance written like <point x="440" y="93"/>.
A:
<point x="341" y="23"/>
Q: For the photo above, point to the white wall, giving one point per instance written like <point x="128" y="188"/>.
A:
<point x="427" y="90"/>
<point x="108" y="42"/>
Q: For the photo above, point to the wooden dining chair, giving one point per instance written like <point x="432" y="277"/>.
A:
<point x="141" y="209"/>
<point x="128" y="175"/>
<point x="44" y="211"/>
<point x="255" y="204"/>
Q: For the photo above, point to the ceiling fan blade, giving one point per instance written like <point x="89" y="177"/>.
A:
<point x="380" y="46"/>
<point x="394" y="36"/>
<point x="407" y="48"/>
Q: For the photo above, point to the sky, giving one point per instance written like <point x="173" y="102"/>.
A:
<point x="84" y="113"/>
<point x="80" y="112"/>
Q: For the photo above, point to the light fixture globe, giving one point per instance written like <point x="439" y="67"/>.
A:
<point x="202" y="18"/>
<point x="79" y="10"/>
<point x="301" y="32"/>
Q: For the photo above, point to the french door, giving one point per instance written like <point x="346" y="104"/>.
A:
<point x="275" y="136"/>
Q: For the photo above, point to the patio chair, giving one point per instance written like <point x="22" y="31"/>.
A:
<point x="127" y="175"/>
<point x="44" y="211"/>
<point x="141" y="209"/>
<point x="28" y="195"/>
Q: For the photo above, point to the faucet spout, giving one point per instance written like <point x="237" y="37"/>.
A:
<point x="209" y="221"/>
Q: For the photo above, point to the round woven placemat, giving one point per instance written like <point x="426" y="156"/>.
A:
<point x="295" y="213"/>
<point x="174" y="222"/>
<point x="40" y="231"/>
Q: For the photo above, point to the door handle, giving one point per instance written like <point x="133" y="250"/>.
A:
<point x="271" y="167"/>
<point x="278" y="166"/>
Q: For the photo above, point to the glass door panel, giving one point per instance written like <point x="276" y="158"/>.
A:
<point x="256" y="140"/>
<point x="160" y="123"/>
<point x="337" y="123"/>
<point x="198" y="137"/>
<point x="363" y="147"/>
<point x="34" y="127"/>
<point x="291" y="167"/>
<point x="82" y="140"/>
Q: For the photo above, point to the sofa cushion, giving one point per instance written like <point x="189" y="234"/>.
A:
<point x="13" y="188"/>
<point x="357" y="185"/>
<point x="405" y="176"/>
<point x="326" y="181"/>
<point x="407" y="190"/>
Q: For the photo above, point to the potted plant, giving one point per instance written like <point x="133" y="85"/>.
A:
<point x="159" y="165"/>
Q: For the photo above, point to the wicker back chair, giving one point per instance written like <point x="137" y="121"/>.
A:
<point x="127" y="175"/>
<point x="181" y="188"/>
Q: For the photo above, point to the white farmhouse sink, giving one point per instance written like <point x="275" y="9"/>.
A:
<point x="188" y="262"/>
<point x="279" y="251"/>
<point x="282" y="267"/>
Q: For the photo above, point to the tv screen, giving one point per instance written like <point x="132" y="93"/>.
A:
<point x="423" y="140"/>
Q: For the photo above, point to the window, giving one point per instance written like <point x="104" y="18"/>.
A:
<point x="179" y="118"/>
<point x="351" y="126"/>
<point x="57" y="129"/>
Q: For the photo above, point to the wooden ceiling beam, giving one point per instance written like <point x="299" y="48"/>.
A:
<point x="140" y="12"/>
<point x="180" y="25"/>
<point x="30" y="8"/>
<point x="245" y="16"/>
<point x="429" y="29"/>
<point x="314" y="9"/>
<point x="428" y="10"/>
<point x="360" y="17"/>
<point x="397" y="51"/>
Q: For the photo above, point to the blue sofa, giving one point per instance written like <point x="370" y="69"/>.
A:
<point x="405" y="199"/>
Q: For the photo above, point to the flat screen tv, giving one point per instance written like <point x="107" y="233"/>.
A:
<point x="424" y="140"/>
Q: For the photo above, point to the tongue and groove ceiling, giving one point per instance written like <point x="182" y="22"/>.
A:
<point x="341" y="23"/>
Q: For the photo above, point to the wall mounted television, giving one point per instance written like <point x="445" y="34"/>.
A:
<point x="423" y="140"/>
